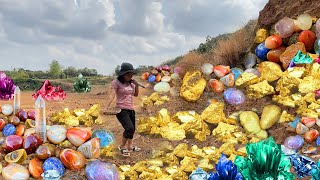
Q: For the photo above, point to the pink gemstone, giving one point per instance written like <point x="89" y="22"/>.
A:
<point x="78" y="135"/>
<point x="165" y="68"/>
<point x="311" y="135"/>
<point x="317" y="92"/>
<point x="13" y="142"/>
<point x="31" y="143"/>
<point x="318" y="60"/>
<point x="22" y="115"/>
<point x="308" y="121"/>
<point x="32" y="114"/>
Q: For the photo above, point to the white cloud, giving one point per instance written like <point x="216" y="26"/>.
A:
<point x="103" y="33"/>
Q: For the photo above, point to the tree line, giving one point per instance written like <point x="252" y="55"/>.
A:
<point x="56" y="71"/>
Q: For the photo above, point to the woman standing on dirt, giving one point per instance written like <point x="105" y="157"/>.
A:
<point x="125" y="88"/>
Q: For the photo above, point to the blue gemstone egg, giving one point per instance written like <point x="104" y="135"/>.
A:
<point x="234" y="96"/>
<point x="262" y="51"/>
<point x="152" y="78"/>
<point x="236" y="72"/>
<point x="8" y="130"/>
<point x="318" y="141"/>
<point x="106" y="137"/>
<point x="101" y="170"/>
<point x="53" y="163"/>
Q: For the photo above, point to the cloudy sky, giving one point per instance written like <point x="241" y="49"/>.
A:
<point x="100" y="34"/>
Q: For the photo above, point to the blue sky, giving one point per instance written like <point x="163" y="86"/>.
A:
<point x="101" y="34"/>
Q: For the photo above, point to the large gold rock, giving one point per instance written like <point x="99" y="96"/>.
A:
<point x="185" y="117"/>
<point x="261" y="35"/>
<point x="284" y="100"/>
<point x="193" y="85"/>
<point x="196" y="152"/>
<point x="170" y="159"/>
<point x="225" y="132"/>
<point x="270" y="115"/>
<point x="315" y="70"/>
<point x="286" y="117"/>
<point x="205" y="164"/>
<point x="309" y="84"/>
<point x="173" y="131"/>
<point x="250" y="122"/>
<point x="260" y="89"/>
<point x="227" y="148"/>
<point x="163" y="117"/>
<point x="181" y="150"/>
<point x="288" y="81"/>
<point x="270" y="71"/>
<point x="188" y="164"/>
<point x="246" y="79"/>
<point x="214" y="113"/>
<point x="307" y="112"/>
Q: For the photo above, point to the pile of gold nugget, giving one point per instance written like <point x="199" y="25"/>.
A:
<point x="170" y="163"/>
<point x="154" y="99"/>
<point x="78" y="116"/>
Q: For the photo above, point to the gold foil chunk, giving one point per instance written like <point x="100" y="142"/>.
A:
<point x="309" y="84"/>
<point x="286" y="117"/>
<point x="246" y="79"/>
<point x="214" y="113"/>
<point x="260" y="89"/>
<point x="284" y="100"/>
<point x="270" y="71"/>
<point x="193" y="85"/>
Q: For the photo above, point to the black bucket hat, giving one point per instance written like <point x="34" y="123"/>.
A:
<point x="126" y="68"/>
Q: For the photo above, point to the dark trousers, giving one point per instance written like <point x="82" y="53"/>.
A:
<point x="127" y="118"/>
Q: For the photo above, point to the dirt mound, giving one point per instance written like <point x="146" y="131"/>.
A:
<point x="277" y="9"/>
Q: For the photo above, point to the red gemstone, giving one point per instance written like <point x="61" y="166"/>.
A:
<point x="20" y="130"/>
<point x="35" y="167"/>
<point x="2" y="124"/>
<point x="308" y="121"/>
<point x="72" y="159"/>
<point x="13" y="142"/>
<point x="311" y="135"/>
<point x="22" y="115"/>
<point x="31" y="143"/>
<point x="308" y="38"/>
<point x="78" y="135"/>
<point x="32" y="114"/>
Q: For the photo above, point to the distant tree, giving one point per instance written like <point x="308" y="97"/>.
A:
<point x="117" y="70"/>
<point x="40" y="75"/>
<point x="19" y="74"/>
<point x="70" y="72"/>
<point x="93" y="72"/>
<point x="55" y="69"/>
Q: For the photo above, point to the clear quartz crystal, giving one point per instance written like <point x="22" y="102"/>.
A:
<point x="16" y="100"/>
<point x="40" y="109"/>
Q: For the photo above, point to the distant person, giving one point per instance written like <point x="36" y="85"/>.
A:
<point x="125" y="88"/>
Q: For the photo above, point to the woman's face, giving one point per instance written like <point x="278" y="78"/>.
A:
<point x="128" y="76"/>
